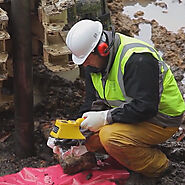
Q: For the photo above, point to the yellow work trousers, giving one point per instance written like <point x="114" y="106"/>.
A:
<point x="133" y="145"/>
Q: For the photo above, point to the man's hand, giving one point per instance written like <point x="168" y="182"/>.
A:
<point x="94" y="120"/>
<point x="51" y="143"/>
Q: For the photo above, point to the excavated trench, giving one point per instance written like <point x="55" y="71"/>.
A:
<point x="61" y="98"/>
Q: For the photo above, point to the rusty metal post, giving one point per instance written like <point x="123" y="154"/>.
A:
<point x="23" y="84"/>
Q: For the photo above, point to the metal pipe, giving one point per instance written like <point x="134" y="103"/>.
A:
<point x="23" y="83"/>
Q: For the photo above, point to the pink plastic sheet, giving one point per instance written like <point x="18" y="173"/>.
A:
<point x="54" y="175"/>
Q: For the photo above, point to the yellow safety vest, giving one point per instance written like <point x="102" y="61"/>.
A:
<point x="171" y="100"/>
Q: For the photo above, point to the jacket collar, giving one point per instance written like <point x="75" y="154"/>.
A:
<point x="113" y="52"/>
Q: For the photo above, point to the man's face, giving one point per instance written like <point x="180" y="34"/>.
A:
<point x="96" y="61"/>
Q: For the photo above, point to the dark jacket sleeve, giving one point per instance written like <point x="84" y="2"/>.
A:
<point x="141" y="81"/>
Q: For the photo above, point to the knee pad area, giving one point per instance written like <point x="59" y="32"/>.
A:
<point x="110" y="138"/>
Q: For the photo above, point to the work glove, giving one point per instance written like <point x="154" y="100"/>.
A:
<point x="51" y="143"/>
<point x="94" y="120"/>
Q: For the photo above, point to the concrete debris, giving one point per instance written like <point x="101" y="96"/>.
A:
<point x="53" y="15"/>
<point x="5" y="101"/>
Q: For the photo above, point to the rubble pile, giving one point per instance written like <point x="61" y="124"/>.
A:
<point x="6" y="100"/>
<point x="53" y="16"/>
<point x="62" y="98"/>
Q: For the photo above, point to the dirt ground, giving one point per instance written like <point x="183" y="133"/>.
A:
<point x="59" y="92"/>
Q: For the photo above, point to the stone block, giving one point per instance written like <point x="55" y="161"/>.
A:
<point x="3" y="19"/>
<point x="3" y="37"/>
<point x="3" y="66"/>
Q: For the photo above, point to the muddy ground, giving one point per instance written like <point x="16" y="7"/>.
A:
<point x="62" y="99"/>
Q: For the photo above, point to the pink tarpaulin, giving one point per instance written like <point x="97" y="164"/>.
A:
<point x="54" y="175"/>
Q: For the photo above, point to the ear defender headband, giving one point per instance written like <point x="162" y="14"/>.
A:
<point x="103" y="48"/>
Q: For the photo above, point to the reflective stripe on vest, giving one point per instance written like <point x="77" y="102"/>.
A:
<point x="162" y="67"/>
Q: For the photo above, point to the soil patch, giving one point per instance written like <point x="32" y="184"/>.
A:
<point x="62" y="99"/>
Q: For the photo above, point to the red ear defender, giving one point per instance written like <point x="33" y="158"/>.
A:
<point x="102" y="49"/>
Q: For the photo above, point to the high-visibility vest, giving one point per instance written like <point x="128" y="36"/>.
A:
<point x="171" y="100"/>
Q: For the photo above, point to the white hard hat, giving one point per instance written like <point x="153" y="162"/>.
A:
<point x="82" y="38"/>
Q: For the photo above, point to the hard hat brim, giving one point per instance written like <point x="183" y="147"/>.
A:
<point x="78" y="61"/>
